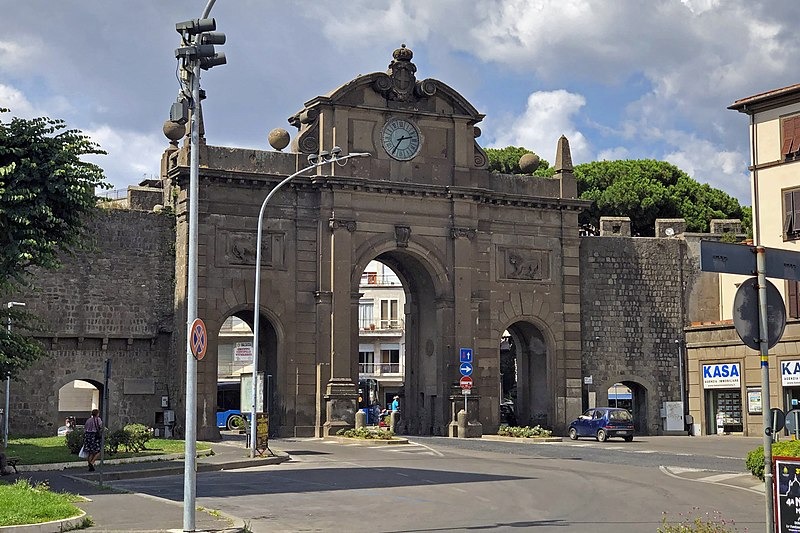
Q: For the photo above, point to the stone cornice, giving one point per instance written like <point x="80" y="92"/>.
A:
<point x="474" y="194"/>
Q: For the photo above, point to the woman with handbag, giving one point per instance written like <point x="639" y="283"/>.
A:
<point x="92" y="437"/>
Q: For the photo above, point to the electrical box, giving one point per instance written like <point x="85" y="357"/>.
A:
<point x="169" y="417"/>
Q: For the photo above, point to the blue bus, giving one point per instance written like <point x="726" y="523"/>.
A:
<point x="229" y="414"/>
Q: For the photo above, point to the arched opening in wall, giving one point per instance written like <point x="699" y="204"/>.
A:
<point x="632" y="396"/>
<point x="398" y="344"/>
<point x="381" y="341"/>
<point x="76" y="400"/>
<point x="235" y="370"/>
<point x="526" y="395"/>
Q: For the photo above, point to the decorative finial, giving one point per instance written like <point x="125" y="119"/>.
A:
<point x="563" y="156"/>
<point x="403" y="53"/>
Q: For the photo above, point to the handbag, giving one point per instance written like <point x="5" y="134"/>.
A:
<point x="83" y="454"/>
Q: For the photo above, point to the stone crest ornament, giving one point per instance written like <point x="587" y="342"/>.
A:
<point x="336" y="223"/>
<point x="401" y="236"/>
<point x="400" y="82"/>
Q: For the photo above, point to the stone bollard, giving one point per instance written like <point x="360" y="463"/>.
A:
<point x="462" y="424"/>
<point x="361" y="419"/>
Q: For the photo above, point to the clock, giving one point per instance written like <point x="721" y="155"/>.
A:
<point x="401" y="139"/>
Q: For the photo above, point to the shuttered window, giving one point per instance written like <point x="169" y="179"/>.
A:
<point x="790" y="133"/>
<point x="791" y="214"/>
<point x="794" y="305"/>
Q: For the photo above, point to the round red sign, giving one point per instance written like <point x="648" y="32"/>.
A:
<point x="198" y="339"/>
<point x="466" y="382"/>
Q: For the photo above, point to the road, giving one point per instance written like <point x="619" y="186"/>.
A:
<point x="440" y="484"/>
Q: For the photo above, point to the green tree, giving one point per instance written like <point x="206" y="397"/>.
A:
<point x="506" y="161"/>
<point x="645" y="190"/>
<point x="46" y="194"/>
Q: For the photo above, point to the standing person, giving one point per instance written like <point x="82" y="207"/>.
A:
<point x="92" y="437"/>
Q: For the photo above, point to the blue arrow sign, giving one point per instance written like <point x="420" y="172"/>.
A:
<point x="465" y="355"/>
<point x="466" y="369"/>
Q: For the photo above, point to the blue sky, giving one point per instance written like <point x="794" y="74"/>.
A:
<point x="623" y="79"/>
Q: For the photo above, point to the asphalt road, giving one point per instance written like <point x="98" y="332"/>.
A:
<point x="439" y="484"/>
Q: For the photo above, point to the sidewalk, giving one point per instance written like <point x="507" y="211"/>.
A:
<point x="113" y="510"/>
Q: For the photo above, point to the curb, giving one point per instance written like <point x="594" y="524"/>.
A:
<point x="365" y="442"/>
<point x="129" y="460"/>
<point x="171" y="470"/>
<point x="526" y="440"/>
<point x="65" y="524"/>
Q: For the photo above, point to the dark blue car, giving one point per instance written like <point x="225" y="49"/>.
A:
<point x="602" y="423"/>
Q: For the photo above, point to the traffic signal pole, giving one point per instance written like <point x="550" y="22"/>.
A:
<point x="195" y="53"/>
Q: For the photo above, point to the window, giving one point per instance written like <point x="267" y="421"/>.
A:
<point x="389" y="315"/>
<point x="790" y="133"/>
<point x="390" y="358"/>
<point x="366" y="362"/>
<point x="366" y="319"/>
<point x="791" y="214"/>
<point x="793" y="300"/>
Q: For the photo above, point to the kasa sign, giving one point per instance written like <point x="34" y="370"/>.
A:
<point x="721" y="376"/>
<point x="790" y="373"/>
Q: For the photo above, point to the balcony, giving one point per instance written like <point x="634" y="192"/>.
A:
<point x="394" y="326"/>
<point x="379" y="369"/>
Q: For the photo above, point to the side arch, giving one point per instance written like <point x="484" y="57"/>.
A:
<point x="646" y="415"/>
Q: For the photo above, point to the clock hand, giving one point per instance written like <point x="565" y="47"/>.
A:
<point x="401" y="139"/>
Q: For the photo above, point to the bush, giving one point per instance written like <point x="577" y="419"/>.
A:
<point x="74" y="441"/>
<point x="364" y="433"/>
<point x="755" y="459"/>
<point x="524" y="432"/>
<point x="133" y="438"/>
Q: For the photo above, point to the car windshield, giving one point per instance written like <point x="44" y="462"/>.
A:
<point x="620" y="416"/>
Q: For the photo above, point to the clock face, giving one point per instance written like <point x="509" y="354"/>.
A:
<point x="401" y="139"/>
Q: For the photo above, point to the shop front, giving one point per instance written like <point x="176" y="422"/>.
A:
<point x="790" y="381"/>
<point x="722" y="392"/>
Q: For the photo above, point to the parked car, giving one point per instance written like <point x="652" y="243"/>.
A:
<point x="602" y="423"/>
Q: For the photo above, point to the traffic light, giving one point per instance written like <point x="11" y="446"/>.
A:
<point x="197" y="43"/>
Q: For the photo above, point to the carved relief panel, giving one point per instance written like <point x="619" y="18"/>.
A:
<point x="523" y="264"/>
<point x="238" y="248"/>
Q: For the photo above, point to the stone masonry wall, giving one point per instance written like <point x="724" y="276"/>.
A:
<point x="114" y="300"/>
<point x="632" y="312"/>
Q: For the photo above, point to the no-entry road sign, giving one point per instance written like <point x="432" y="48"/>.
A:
<point x="466" y="382"/>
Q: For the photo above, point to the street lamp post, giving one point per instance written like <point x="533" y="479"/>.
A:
<point x="334" y="156"/>
<point x="8" y="380"/>
<point x="681" y="381"/>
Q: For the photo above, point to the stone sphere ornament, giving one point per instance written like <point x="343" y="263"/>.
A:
<point x="278" y="138"/>
<point x="528" y="163"/>
<point x="174" y="131"/>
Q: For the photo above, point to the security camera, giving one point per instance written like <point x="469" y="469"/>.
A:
<point x="335" y="151"/>
<point x="312" y="159"/>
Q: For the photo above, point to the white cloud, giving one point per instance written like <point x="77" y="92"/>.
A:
<point x="614" y="154"/>
<point x="709" y="163"/>
<point x="11" y="98"/>
<point x="547" y="117"/>
<point x="132" y="156"/>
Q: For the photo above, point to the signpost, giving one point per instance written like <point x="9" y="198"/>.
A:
<point x="465" y="357"/>
<point x="763" y="262"/>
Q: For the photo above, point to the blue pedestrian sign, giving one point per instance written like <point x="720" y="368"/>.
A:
<point x="465" y="355"/>
<point x="466" y="369"/>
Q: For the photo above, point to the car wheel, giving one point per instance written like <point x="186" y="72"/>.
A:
<point x="629" y="438"/>
<point x="573" y="433"/>
<point x="234" y="422"/>
<point x="602" y="436"/>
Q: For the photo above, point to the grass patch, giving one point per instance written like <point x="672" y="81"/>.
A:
<point x="23" y="503"/>
<point x="47" y="450"/>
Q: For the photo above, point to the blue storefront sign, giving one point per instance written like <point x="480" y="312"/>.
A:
<point x="721" y="376"/>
